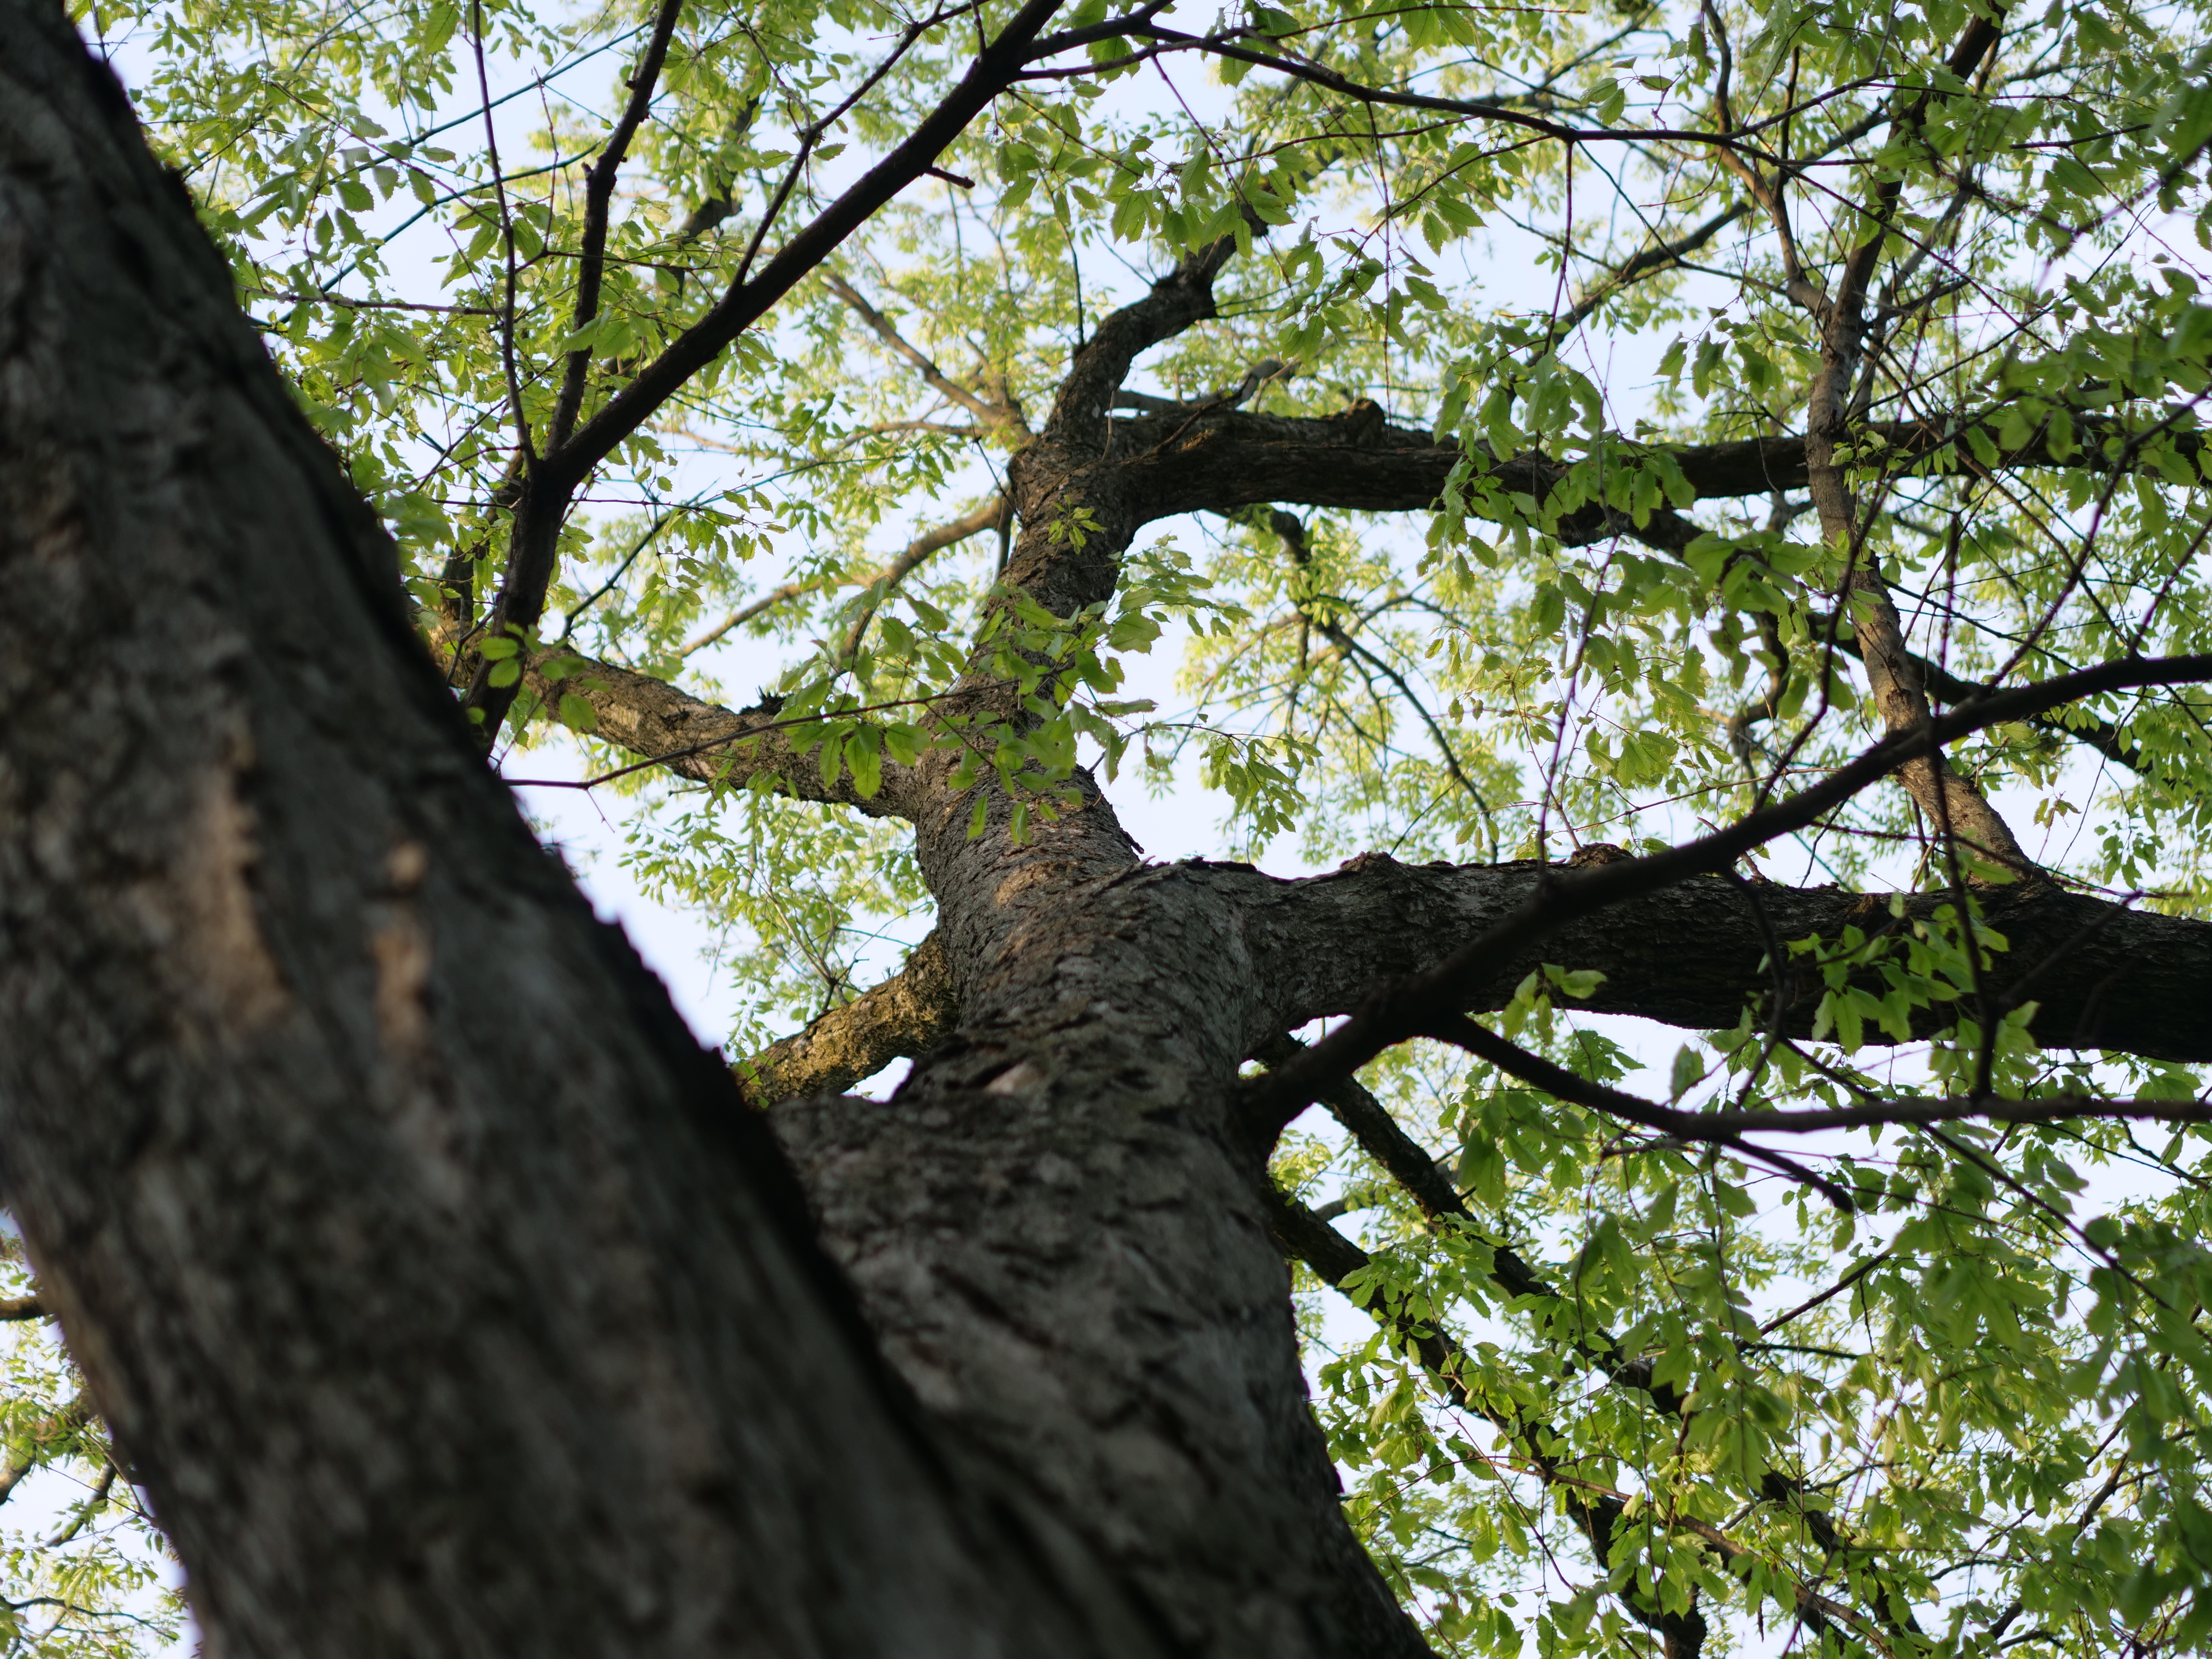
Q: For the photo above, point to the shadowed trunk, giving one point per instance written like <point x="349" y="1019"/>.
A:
<point x="445" y="1297"/>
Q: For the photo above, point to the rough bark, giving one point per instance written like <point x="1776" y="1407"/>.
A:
<point x="2104" y="975"/>
<point x="1057" y="1232"/>
<point x="443" y="1294"/>
<point x="909" y="1014"/>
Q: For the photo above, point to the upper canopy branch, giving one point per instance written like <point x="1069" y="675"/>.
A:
<point x="542" y="506"/>
<point x="1360" y="461"/>
<point x="701" y="740"/>
<point x="1074" y="462"/>
<point x="1183" y="296"/>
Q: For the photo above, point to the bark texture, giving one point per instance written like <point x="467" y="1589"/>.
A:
<point x="444" y="1295"/>
<point x="1057" y="1230"/>
<point x="909" y="1014"/>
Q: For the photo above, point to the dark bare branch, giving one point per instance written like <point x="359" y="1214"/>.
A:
<point x="1360" y="461"/>
<point x="1727" y="1128"/>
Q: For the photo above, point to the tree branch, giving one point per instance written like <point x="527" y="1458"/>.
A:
<point x="1359" y="461"/>
<point x="534" y="539"/>
<point x="2104" y="975"/>
<point x="990" y="414"/>
<point x="1386" y="1141"/>
<point x="906" y="1016"/>
<point x="598" y="203"/>
<point x="988" y="516"/>
<point x="1596" y="1510"/>
<point x="700" y="740"/>
<point x="1951" y="804"/>
<point x="1394" y="1013"/>
<point x="922" y="547"/>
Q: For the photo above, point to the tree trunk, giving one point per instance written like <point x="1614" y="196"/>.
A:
<point x="445" y="1297"/>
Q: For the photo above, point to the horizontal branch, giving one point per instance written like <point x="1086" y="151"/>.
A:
<point x="905" y="1017"/>
<point x="1729" y="1128"/>
<point x="1219" y="461"/>
<point x="1693" y="954"/>
<point x="1393" y="1013"/>
<point x="697" y="739"/>
<point x="1907" y="1113"/>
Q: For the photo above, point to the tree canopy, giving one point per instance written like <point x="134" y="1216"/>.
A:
<point x="1757" y="443"/>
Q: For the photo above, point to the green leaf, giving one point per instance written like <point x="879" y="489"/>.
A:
<point x="1689" y="1071"/>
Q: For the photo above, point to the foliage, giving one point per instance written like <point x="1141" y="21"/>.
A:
<point x="1582" y="234"/>
<point x="86" y="1575"/>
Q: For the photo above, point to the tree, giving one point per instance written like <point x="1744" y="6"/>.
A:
<point x="445" y="1296"/>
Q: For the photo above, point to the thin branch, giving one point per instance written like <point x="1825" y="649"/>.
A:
<point x="346" y="303"/>
<point x="506" y="231"/>
<point x="1834" y="1290"/>
<point x="991" y="414"/>
<point x="922" y="547"/>
<point x="598" y="203"/>
<point x="1727" y="1127"/>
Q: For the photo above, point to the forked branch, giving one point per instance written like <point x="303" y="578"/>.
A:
<point x="534" y="539"/>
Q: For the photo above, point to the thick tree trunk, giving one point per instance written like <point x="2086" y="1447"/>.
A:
<point x="445" y="1296"/>
<point x="1056" y="1230"/>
